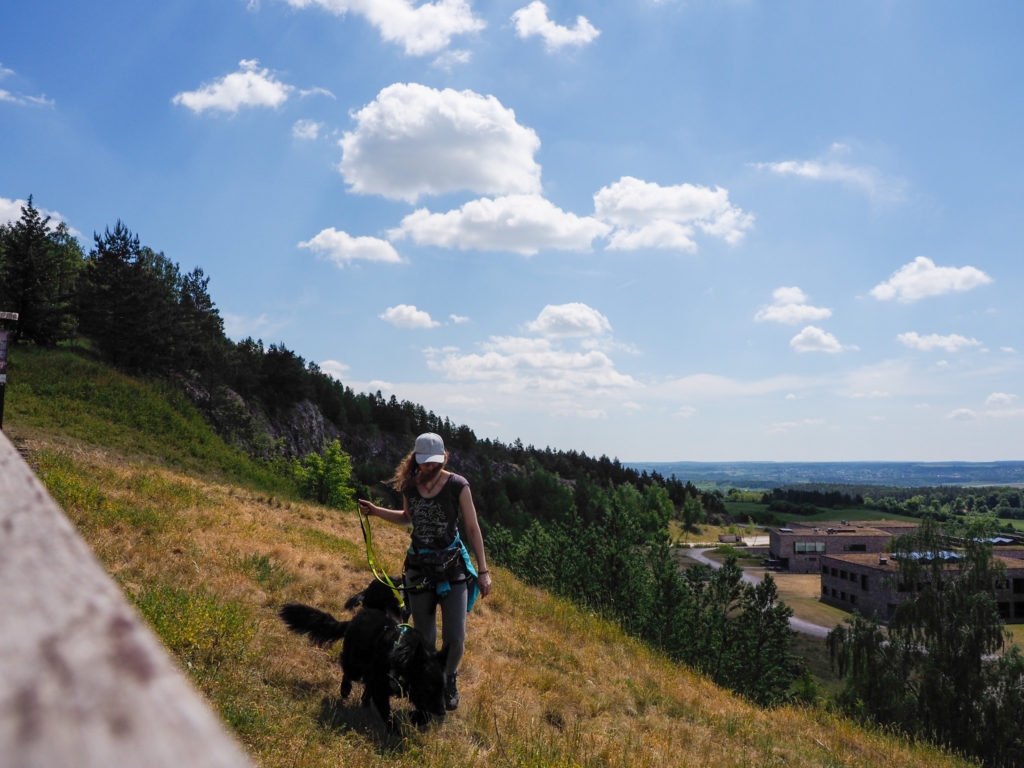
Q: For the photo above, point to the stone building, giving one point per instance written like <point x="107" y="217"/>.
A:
<point x="870" y="584"/>
<point x="800" y="548"/>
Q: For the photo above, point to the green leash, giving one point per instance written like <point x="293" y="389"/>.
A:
<point x="379" y="573"/>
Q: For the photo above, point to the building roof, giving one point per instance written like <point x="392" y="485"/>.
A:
<point x="830" y="529"/>
<point x="890" y="561"/>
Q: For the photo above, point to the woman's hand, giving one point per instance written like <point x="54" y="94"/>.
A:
<point x="484" y="580"/>
<point x="368" y="508"/>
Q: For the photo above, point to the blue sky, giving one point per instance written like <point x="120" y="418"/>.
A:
<point x="732" y="230"/>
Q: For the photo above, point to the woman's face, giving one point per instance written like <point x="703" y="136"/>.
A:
<point x="427" y="472"/>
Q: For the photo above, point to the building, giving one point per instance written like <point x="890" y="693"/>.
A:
<point x="799" y="548"/>
<point x="870" y="584"/>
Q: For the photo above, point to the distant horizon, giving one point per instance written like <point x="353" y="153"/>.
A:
<point x="825" y="461"/>
<point x="876" y="473"/>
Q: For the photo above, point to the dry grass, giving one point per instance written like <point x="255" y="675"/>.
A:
<point x="543" y="683"/>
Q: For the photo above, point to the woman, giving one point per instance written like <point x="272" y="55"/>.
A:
<point x="438" y="570"/>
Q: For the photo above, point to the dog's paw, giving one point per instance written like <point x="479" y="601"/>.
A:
<point x="422" y="719"/>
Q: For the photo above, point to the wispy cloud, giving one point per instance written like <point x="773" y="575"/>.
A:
<point x="21" y="99"/>
<point x="832" y="168"/>
<point x="949" y="343"/>
<point x="307" y="130"/>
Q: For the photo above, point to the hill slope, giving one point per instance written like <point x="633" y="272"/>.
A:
<point x="208" y="546"/>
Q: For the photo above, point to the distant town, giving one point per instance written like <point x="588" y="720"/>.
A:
<point x="769" y="474"/>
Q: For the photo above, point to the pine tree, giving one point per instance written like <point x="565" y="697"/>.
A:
<point x="39" y="266"/>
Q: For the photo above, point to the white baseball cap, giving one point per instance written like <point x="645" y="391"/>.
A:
<point x="429" y="448"/>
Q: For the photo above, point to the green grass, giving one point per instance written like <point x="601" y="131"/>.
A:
<point x="848" y="513"/>
<point x="64" y="392"/>
<point x="200" y="628"/>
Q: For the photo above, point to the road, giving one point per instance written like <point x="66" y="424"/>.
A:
<point x="799" y="625"/>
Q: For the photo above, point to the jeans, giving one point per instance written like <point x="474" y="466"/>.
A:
<point x="423" y="606"/>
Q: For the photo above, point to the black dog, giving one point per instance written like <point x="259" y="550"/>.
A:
<point x="387" y="657"/>
<point x="382" y="597"/>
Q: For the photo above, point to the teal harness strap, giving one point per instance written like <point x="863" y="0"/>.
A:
<point x="379" y="573"/>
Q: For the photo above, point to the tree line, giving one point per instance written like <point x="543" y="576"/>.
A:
<point x="610" y="550"/>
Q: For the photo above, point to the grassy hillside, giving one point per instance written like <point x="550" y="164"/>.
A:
<point x="208" y="545"/>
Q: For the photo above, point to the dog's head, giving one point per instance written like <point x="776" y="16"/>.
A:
<point x="380" y="597"/>
<point x="422" y="670"/>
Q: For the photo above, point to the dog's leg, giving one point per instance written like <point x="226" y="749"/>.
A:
<point x="382" y="698"/>
<point x="346" y="686"/>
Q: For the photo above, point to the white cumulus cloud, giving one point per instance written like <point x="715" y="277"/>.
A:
<point x="999" y="399"/>
<point x="532" y="21"/>
<point x="814" y="339"/>
<point x="342" y="248"/>
<point x="570" y="320"/>
<point x="335" y="369"/>
<point x="789" y="305"/>
<point x="421" y="29"/>
<point x="10" y="212"/>
<point x="413" y="140"/>
<point x="648" y="215"/>
<point x="921" y="278"/>
<point x="523" y="224"/>
<point x="250" y="86"/>
<point x="408" y="317"/>
<point x="950" y="343"/>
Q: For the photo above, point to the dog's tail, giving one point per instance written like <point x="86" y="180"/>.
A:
<point x="320" y="627"/>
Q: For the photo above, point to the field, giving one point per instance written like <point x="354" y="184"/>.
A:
<point x="744" y="510"/>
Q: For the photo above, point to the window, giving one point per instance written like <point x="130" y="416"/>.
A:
<point x="855" y="548"/>
<point x="864" y="582"/>
<point x="804" y="547"/>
